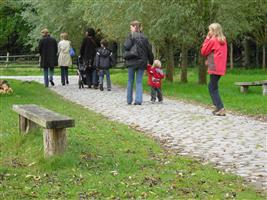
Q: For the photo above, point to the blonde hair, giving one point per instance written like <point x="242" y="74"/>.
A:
<point x="156" y="63"/>
<point x="64" y="36"/>
<point x="137" y="25"/>
<point x="217" y="31"/>
<point x="45" y="32"/>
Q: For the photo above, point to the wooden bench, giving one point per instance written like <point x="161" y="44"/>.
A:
<point x="54" y="124"/>
<point x="245" y="85"/>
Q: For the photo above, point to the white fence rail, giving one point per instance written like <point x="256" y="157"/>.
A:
<point x="32" y="59"/>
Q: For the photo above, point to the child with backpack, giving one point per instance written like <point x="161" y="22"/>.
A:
<point x="155" y="75"/>
<point x="103" y="61"/>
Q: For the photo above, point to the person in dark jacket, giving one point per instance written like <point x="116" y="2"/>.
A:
<point x="103" y="61"/>
<point x="87" y="52"/>
<point x="48" y="52"/>
<point x="137" y="64"/>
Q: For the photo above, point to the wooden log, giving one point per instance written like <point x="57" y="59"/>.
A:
<point x="264" y="89"/>
<point x="55" y="141"/>
<point x="244" y="88"/>
<point x="22" y="124"/>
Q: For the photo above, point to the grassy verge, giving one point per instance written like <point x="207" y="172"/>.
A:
<point x="104" y="160"/>
<point x="253" y="102"/>
<point x="29" y="71"/>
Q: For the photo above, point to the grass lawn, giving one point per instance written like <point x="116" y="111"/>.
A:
<point x="252" y="103"/>
<point x="31" y="70"/>
<point x="104" y="160"/>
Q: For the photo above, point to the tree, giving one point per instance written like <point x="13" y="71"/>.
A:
<point x="13" y="28"/>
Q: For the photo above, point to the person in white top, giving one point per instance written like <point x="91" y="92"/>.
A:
<point x="64" y="58"/>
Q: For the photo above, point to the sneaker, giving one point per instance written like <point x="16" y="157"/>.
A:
<point x="137" y="103"/>
<point x="220" y="112"/>
<point x="109" y="89"/>
<point x="101" y="87"/>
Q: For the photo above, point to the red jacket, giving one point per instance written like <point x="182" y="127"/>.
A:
<point x="216" y="53"/>
<point x="155" y="74"/>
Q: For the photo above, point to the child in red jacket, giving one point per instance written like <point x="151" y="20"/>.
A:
<point x="155" y="74"/>
<point x="215" y="49"/>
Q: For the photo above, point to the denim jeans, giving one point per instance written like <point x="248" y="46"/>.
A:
<point x="64" y="75"/>
<point x="48" y="71"/>
<point x="139" y="87"/>
<point x="156" y="92"/>
<point x="214" y="91"/>
<point x="102" y="72"/>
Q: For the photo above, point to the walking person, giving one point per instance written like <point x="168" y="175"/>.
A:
<point x="87" y="52"/>
<point x="103" y="61"/>
<point x="215" y="49"/>
<point x="48" y="52"/>
<point x="64" y="58"/>
<point x="155" y="75"/>
<point x="137" y="55"/>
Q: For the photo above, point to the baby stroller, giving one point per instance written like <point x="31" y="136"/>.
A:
<point x="81" y="72"/>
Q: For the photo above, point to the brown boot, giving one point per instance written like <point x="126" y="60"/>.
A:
<point x="220" y="112"/>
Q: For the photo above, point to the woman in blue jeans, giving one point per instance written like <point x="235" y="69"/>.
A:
<point x="136" y="63"/>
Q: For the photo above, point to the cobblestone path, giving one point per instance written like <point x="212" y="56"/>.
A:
<point x="234" y="143"/>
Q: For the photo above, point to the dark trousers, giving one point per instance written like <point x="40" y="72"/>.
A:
<point x="48" y="71"/>
<point x="156" y="92"/>
<point x="214" y="91"/>
<point x="91" y="77"/>
<point x="64" y="74"/>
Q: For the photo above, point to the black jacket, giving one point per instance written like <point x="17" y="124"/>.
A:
<point x="104" y="58"/>
<point x="88" y="49"/>
<point x="48" y="52"/>
<point x="143" y="47"/>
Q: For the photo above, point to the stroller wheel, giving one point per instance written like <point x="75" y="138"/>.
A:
<point x="80" y="84"/>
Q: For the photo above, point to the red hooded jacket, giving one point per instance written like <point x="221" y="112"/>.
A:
<point x="216" y="53"/>
<point x="155" y="74"/>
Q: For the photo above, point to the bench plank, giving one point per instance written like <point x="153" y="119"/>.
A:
<point x="244" y="86"/>
<point x="44" y="117"/>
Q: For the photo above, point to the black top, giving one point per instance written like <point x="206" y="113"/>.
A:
<point x="143" y="47"/>
<point x="48" y="52"/>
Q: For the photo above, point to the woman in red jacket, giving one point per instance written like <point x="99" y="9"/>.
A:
<point x="215" y="49"/>
<point x="155" y="74"/>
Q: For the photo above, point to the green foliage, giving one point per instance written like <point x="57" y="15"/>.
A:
<point x="13" y="29"/>
<point x="252" y="103"/>
<point x="104" y="160"/>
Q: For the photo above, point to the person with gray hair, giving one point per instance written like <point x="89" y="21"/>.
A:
<point x="48" y="53"/>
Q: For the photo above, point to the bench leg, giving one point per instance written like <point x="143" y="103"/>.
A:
<point x="264" y="89"/>
<point x="55" y="141"/>
<point x="244" y="89"/>
<point x="25" y="125"/>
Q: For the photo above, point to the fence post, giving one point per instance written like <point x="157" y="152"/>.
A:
<point x="7" y="59"/>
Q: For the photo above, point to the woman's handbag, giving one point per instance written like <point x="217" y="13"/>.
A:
<point x="132" y="53"/>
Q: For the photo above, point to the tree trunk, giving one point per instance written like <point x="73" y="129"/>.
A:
<point x="184" y="64"/>
<point x="246" y="59"/>
<point x="202" y="71"/>
<point x="263" y="56"/>
<point x="257" y="55"/>
<point x="231" y="56"/>
<point x="170" y="62"/>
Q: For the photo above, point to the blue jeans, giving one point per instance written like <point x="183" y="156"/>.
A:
<point x="214" y="91"/>
<point x="48" y="71"/>
<point x="64" y="75"/>
<point x="139" y="87"/>
<point x="102" y="72"/>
